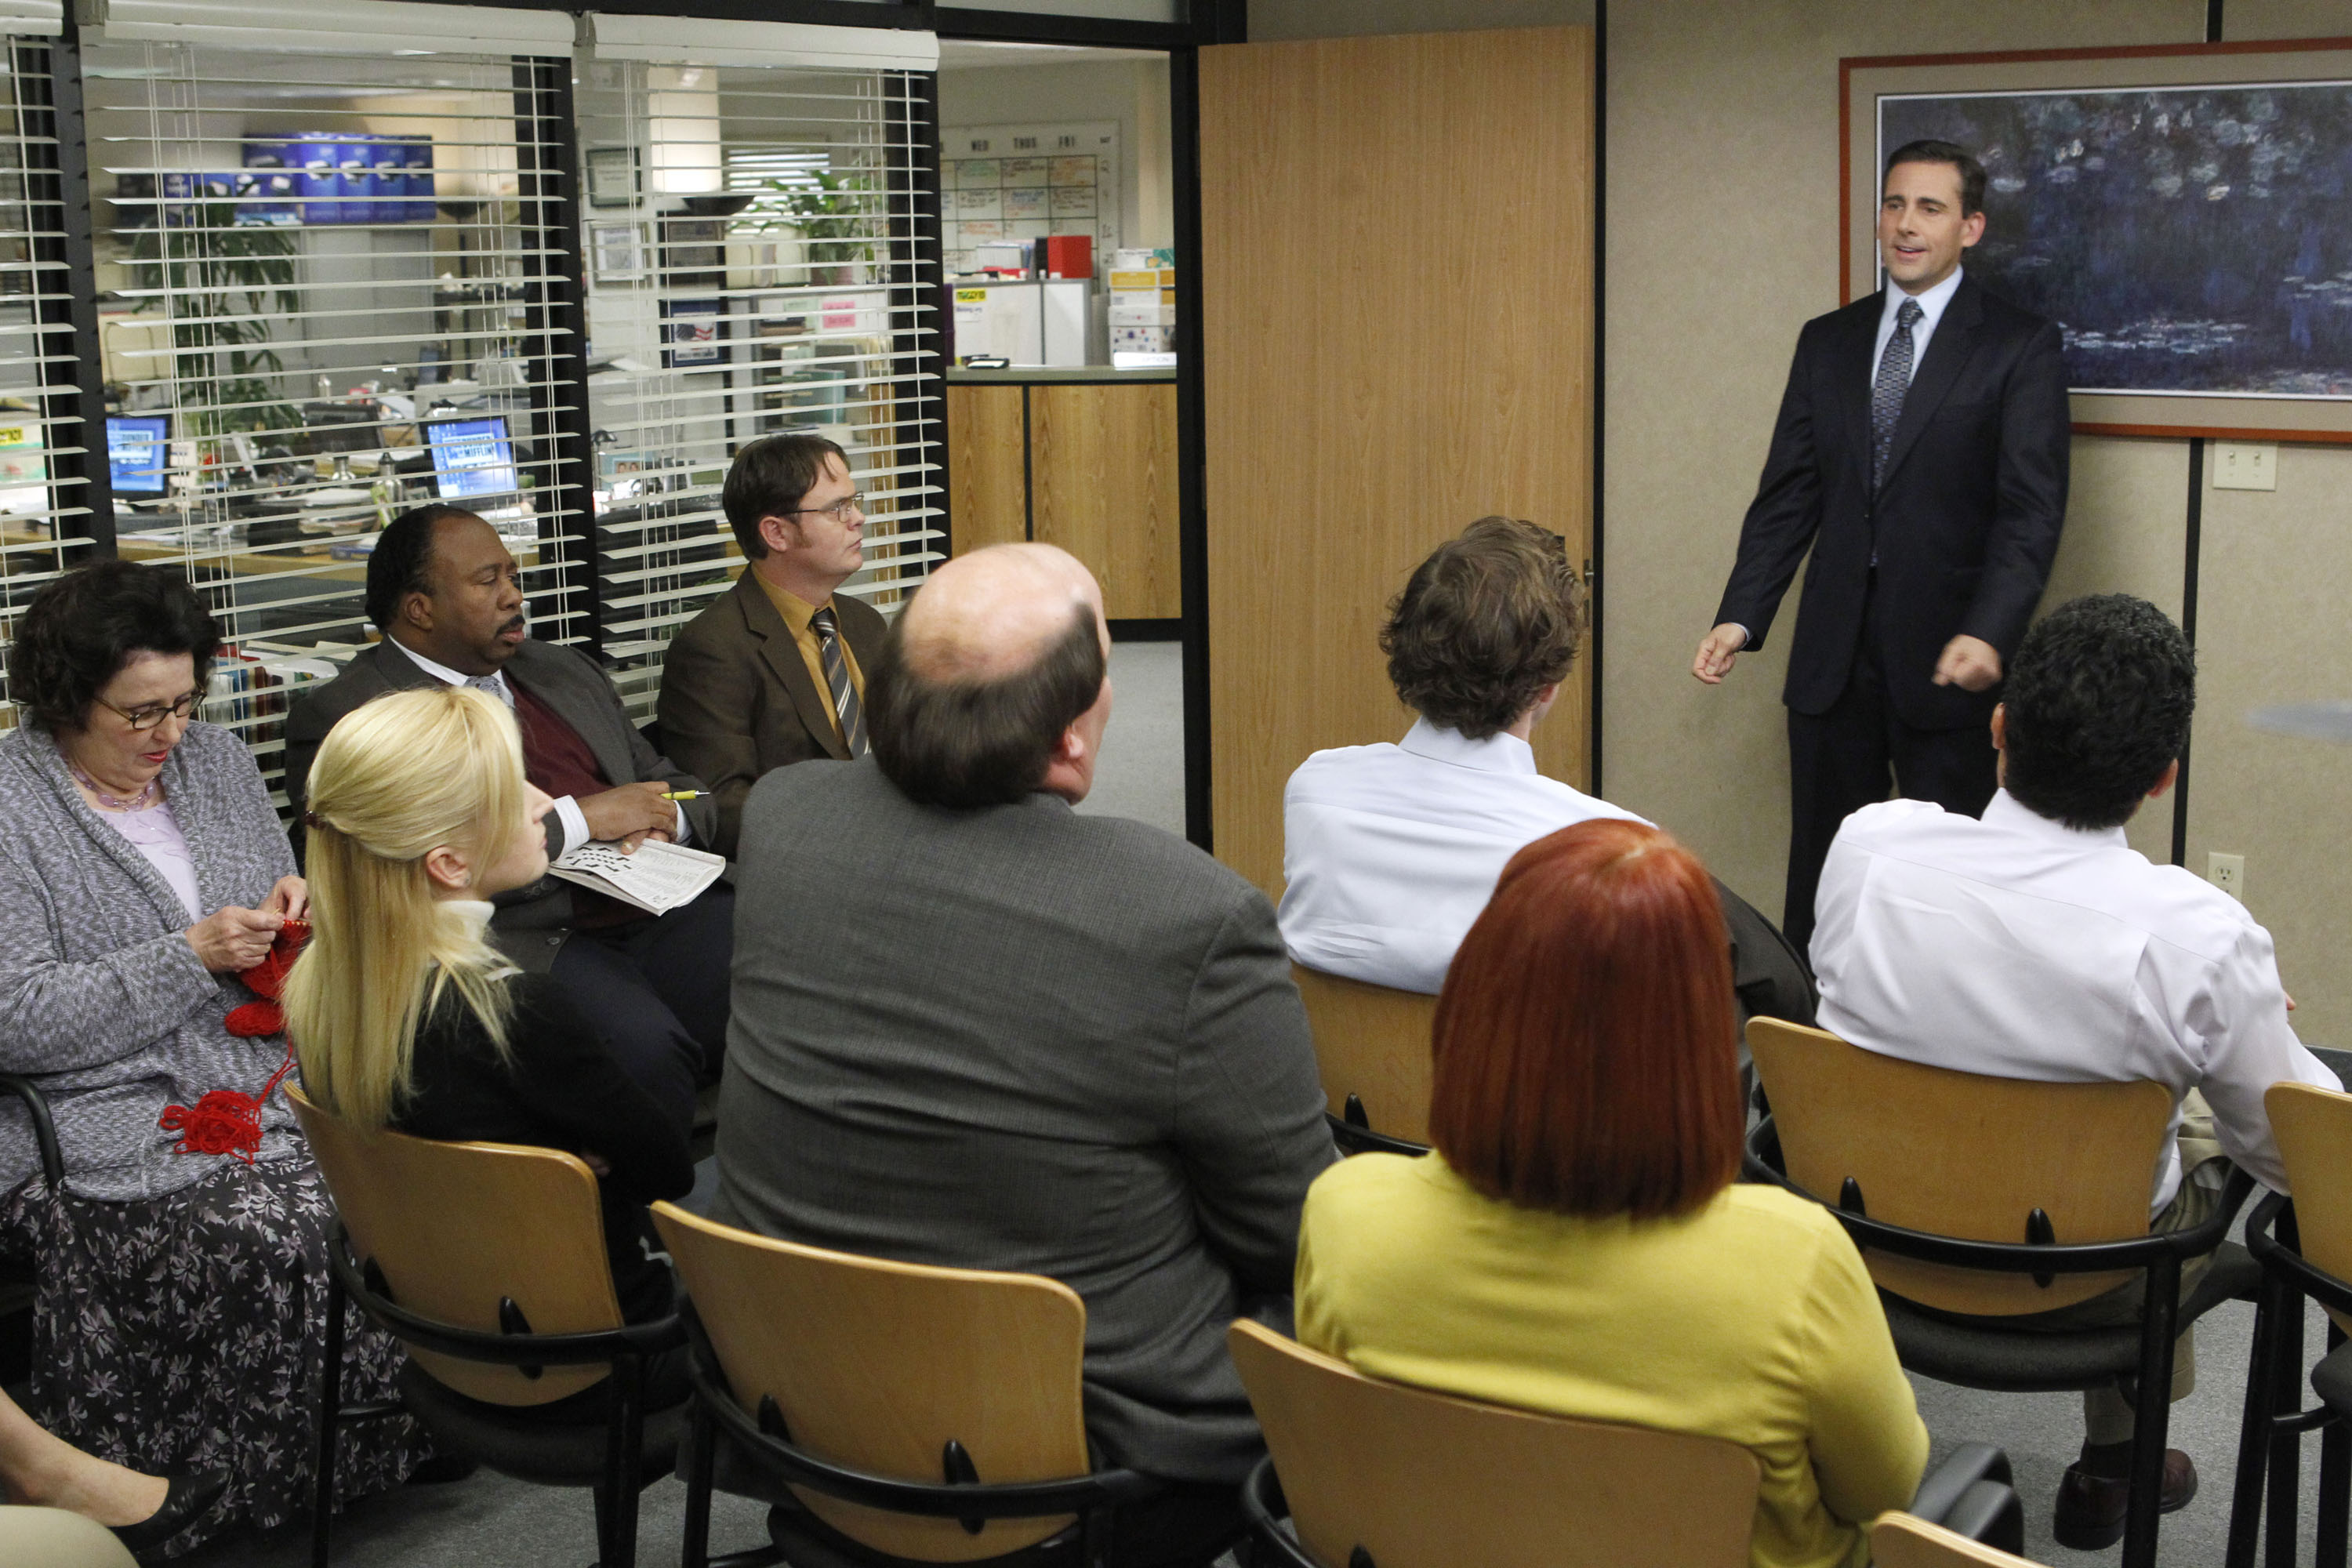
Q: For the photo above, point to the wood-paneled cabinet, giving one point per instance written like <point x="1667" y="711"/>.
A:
<point x="1087" y="465"/>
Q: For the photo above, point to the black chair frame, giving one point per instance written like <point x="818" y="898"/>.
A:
<point x="626" y="1348"/>
<point x="2270" y="1443"/>
<point x="1970" y="1492"/>
<point x="1352" y="1131"/>
<point x="2158" y="1255"/>
<point x="960" y="1495"/>
<point x="15" y="1350"/>
<point x="44" y="1127"/>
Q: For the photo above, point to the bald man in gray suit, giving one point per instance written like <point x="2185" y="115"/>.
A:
<point x="973" y="1028"/>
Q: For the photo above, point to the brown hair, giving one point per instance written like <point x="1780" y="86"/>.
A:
<point x="1489" y="620"/>
<point x="770" y="478"/>
<point x="1583" y="1043"/>
<point x="967" y="743"/>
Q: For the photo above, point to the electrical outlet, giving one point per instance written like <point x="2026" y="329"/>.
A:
<point x="2228" y="872"/>
<point x="2245" y="466"/>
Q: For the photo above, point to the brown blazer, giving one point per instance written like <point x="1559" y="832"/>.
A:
<point x="737" y="701"/>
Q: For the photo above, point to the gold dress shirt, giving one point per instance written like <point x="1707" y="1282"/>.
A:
<point x="798" y="612"/>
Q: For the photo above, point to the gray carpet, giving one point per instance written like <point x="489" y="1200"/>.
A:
<point x="490" y="1522"/>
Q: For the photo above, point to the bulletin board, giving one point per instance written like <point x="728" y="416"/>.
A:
<point x="1026" y="181"/>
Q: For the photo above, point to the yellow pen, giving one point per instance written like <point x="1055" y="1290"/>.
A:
<point x="683" y="795"/>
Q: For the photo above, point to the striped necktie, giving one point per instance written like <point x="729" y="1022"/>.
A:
<point x="845" y="705"/>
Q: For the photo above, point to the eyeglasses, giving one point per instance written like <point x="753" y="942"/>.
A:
<point x="839" y="510"/>
<point x="149" y="715"/>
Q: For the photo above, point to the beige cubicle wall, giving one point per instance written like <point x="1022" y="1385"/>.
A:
<point x="1722" y="196"/>
<point x="1397" y="299"/>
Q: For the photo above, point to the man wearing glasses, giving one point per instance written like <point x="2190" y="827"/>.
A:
<point x="773" y="672"/>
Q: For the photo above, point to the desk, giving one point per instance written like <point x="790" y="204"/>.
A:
<point x="1085" y="458"/>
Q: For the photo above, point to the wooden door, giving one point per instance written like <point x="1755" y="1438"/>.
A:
<point x="1397" y="325"/>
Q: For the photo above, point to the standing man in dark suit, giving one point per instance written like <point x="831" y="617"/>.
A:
<point x="774" y="672"/>
<point x="447" y="596"/>
<point x="980" y="1030"/>
<point x="1921" y="454"/>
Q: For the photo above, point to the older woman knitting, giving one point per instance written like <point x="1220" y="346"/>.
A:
<point x="141" y="872"/>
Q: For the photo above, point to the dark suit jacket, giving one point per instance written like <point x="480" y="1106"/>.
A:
<point x="736" y="696"/>
<point x="532" y="922"/>
<point x="1965" y="523"/>
<point x="1020" y="1039"/>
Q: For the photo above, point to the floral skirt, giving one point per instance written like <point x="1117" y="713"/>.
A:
<point x="185" y="1332"/>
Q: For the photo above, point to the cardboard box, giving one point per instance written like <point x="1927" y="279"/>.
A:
<point x="1140" y="280"/>
<point x="1123" y="315"/>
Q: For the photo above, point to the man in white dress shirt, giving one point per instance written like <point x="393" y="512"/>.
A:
<point x="1391" y="851"/>
<point x="2037" y="943"/>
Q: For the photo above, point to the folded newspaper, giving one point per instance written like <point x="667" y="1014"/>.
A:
<point x="658" y="877"/>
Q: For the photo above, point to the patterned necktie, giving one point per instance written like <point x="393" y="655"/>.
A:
<point x="1894" y="381"/>
<point x="495" y="684"/>
<point x="846" y="704"/>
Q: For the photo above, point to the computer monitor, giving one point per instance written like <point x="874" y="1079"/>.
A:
<point x="472" y="459"/>
<point x="135" y="452"/>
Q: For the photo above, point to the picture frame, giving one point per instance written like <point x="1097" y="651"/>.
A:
<point x="616" y="252"/>
<point x="694" y="332"/>
<point x="614" y="177"/>
<point x="2149" y="199"/>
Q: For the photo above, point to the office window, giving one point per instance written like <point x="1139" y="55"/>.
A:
<point x="41" y="509"/>
<point x="754" y="269"/>
<point x="337" y="292"/>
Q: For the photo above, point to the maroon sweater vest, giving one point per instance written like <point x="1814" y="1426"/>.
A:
<point x="559" y="762"/>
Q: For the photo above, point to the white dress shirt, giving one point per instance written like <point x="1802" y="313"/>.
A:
<point x="1389" y="853"/>
<point x="567" y="807"/>
<point x="2017" y="947"/>
<point x="1931" y="310"/>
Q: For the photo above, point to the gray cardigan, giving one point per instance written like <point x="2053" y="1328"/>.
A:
<point x="103" y="1001"/>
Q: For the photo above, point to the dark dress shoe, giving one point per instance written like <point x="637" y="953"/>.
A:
<point x="2091" y="1509"/>
<point x="189" y="1498"/>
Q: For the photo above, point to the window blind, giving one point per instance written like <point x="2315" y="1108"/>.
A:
<point x="331" y="272"/>
<point x="755" y="269"/>
<point x="41" y="509"/>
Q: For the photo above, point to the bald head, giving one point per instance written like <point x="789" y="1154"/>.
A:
<point x="991" y="685"/>
<point x="992" y="615"/>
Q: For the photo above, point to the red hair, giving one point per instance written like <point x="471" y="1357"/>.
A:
<point x="1584" y="1040"/>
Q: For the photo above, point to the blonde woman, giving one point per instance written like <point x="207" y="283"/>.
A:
<point x="403" y="1013"/>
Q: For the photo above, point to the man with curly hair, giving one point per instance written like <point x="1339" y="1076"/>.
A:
<point x="2037" y="943"/>
<point x="1391" y="851"/>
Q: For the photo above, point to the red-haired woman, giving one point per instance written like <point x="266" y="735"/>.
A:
<point x="1576" y="1246"/>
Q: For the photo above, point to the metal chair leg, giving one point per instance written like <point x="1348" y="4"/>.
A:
<point x="331" y="1400"/>
<point x="2284" y="1478"/>
<point x="2152" y="1416"/>
<point x="2254" y="1426"/>
<point x="629" y="1427"/>
<point x="2335" y="1482"/>
<point x="700" y="1462"/>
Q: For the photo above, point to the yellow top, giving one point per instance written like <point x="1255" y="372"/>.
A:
<point x="798" y="612"/>
<point x="1751" y="1321"/>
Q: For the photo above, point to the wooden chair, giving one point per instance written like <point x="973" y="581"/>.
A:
<point x="927" y="1415"/>
<point x="2304" y="1247"/>
<point x="488" y="1260"/>
<point x="1405" y="1478"/>
<point x="1983" y="1198"/>
<point x="1904" y="1540"/>
<point x="1371" y="1045"/>
<point x="52" y="1538"/>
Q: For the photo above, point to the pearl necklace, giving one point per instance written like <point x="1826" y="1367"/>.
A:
<point x="139" y="802"/>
